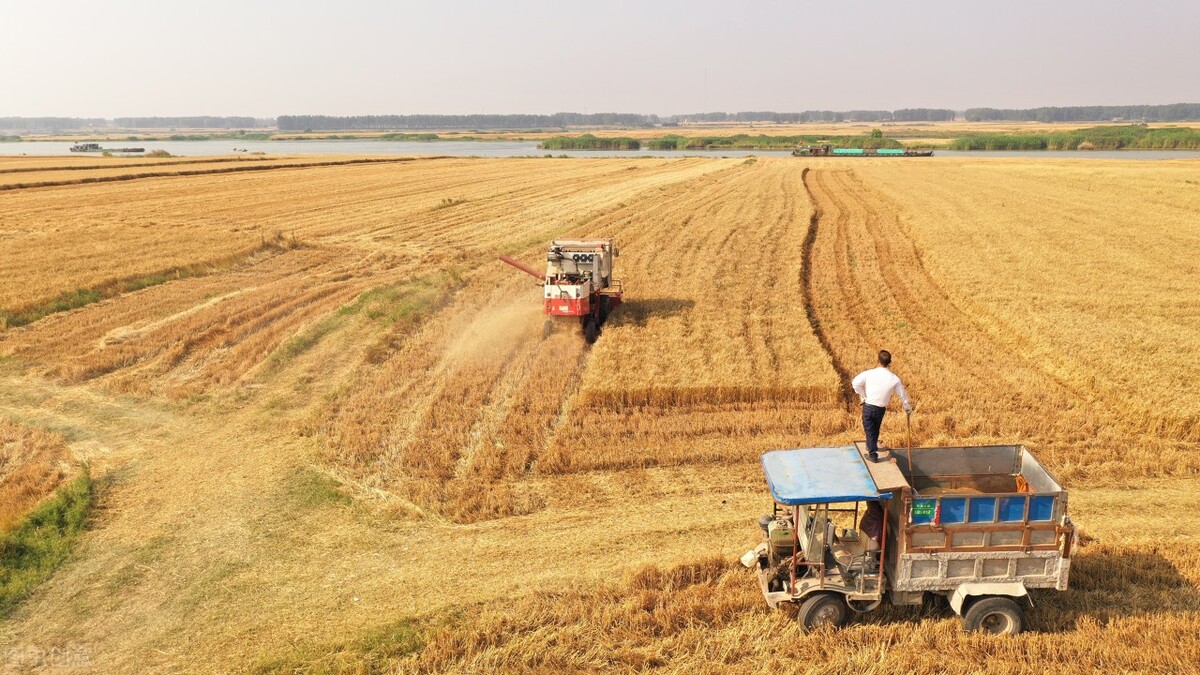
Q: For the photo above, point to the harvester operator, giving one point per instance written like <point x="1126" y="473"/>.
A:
<point x="876" y="387"/>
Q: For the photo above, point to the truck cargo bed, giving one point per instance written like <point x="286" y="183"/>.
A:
<point x="985" y="514"/>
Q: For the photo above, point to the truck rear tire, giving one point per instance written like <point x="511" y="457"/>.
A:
<point x="995" y="615"/>
<point x="822" y="609"/>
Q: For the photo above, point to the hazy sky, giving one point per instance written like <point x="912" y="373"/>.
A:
<point x="108" y="58"/>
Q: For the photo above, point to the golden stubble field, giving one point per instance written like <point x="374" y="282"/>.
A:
<point x="330" y="434"/>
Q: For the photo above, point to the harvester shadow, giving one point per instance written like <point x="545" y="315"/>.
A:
<point x="638" y="311"/>
<point x="1105" y="584"/>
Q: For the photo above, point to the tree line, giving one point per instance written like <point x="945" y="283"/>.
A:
<point x="783" y="117"/>
<point x="192" y="122"/>
<point x="197" y="122"/>
<point x="479" y="121"/>
<point x="560" y="120"/>
<point x="1174" y="112"/>
<point x="903" y="115"/>
<point x="30" y="123"/>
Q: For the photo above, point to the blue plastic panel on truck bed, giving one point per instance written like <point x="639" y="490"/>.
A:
<point x="818" y="476"/>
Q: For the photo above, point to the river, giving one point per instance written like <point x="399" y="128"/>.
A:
<point x="511" y="149"/>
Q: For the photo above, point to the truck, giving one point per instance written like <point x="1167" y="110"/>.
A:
<point x="977" y="526"/>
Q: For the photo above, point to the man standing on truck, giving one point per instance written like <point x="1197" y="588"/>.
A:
<point x="876" y="387"/>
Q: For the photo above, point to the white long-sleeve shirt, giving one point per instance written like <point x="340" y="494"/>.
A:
<point x="877" y="386"/>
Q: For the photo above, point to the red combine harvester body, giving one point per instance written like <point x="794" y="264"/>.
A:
<point x="578" y="282"/>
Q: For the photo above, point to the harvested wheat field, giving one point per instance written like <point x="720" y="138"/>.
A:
<point x="329" y="434"/>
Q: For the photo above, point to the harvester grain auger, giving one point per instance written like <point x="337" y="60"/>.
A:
<point x="578" y="282"/>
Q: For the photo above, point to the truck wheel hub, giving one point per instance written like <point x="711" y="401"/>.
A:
<point x="997" y="623"/>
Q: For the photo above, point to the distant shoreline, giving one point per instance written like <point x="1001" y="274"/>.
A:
<point x="946" y="136"/>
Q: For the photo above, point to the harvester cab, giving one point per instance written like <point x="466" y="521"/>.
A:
<point x="821" y="549"/>
<point x="580" y="261"/>
<point x="578" y="282"/>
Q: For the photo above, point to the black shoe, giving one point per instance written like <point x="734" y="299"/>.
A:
<point x="873" y="457"/>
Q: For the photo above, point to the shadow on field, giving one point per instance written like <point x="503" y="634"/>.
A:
<point x="1118" y="571"/>
<point x="639" y="311"/>
<point x="1108" y="582"/>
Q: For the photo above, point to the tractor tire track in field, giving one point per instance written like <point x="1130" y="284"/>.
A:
<point x="713" y="344"/>
<point x="810" y="237"/>
<point x="867" y="288"/>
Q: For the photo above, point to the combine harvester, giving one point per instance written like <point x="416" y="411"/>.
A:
<point x="977" y="526"/>
<point x="578" y="282"/>
<point x="830" y="151"/>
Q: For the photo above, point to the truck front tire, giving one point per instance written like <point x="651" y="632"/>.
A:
<point x="995" y="615"/>
<point x="822" y="609"/>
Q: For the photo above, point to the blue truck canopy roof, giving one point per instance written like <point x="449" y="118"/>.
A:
<point x="819" y="476"/>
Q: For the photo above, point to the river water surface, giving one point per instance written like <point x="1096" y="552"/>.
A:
<point x="510" y="149"/>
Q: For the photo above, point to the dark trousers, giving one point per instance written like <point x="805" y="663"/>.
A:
<point x="872" y="421"/>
